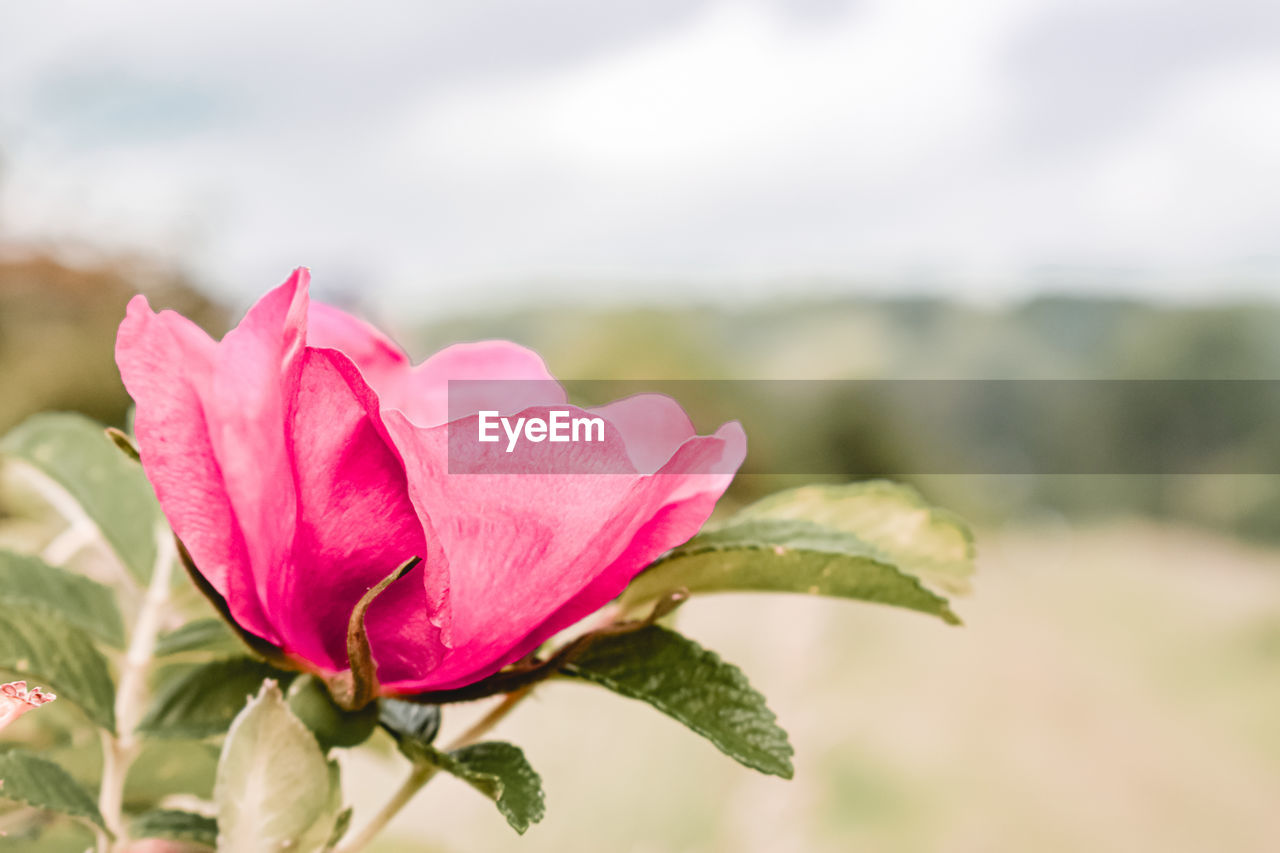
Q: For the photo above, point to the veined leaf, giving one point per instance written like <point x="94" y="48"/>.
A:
<point x="770" y="555"/>
<point x="52" y="653"/>
<point x="275" y="790"/>
<point x="41" y="783"/>
<point x="204" y="700"/>
<point x="81" y="472"/>
<point x="176" y="826"/>
<point x="499" y="771"/>
<point x="685" y="681"/>
<point x="27" y="581"/>
<point x="873" y="541"/>
<point x="903" y="528"/>
<point x="200" y="635"/>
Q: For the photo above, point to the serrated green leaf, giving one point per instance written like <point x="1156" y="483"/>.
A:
<point x="200" y="635"/>
<point x="868" y="541"/>
<point x="75" y="456"/>
<point x="786" y="556"/>
<point x="275" y="790"/>
<point x="412" y="720"/>
<point x="175" y="826"/>
<point x="52" y="653"/>
<point x="205" y="698"/>
<point x="27" y="581"/>
<point x="41" y="783"/>
<point x="685" y="681"/>
<point x="501" y="772"/>
<point x="895" y="520"/>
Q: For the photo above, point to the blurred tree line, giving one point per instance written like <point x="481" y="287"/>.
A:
<point x="1049" y="337"/>
<point x="58" y="322"/>
<point x="58" y="327"/>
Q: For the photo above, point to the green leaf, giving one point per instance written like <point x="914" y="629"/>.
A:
<point x="52" y="653"/>
<point x="275" y="790"/>
<point x="27" y="581"/>
<point x="896" y="520"/>
<point x="200" y="635"/>
<point x="176" y="826"/>
<point x="72" y="457"/>
<point x="872" y="541"/>
<point x="37" y="782"/>
<point x="500" y="772"/>
<point x="685" y="681"/>
<point x="204" y="699"/>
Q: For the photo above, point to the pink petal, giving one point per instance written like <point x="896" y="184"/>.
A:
<point x="653" y="427"/>
<point x="514" y="378"/>
<point x="355" y="524"/>
<point x="380" y="360"/>
<point x="270" y="460"/>
<point x="529" y="553"/>
<point x="689" y="497"/>
<point x="16" y="700"/>
<point x="256" y="373"/>
<point x="167" y="366"/>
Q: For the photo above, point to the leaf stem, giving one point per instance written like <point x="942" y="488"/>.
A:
<point x="421" y="773"/>
<point x="120" y="748"/>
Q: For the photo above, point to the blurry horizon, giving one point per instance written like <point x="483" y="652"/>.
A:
<point x="439" y="160"/>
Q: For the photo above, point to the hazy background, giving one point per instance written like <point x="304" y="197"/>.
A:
<point x="767" y="189"/>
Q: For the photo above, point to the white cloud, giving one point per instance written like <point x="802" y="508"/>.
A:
<point x="706" y="144"/>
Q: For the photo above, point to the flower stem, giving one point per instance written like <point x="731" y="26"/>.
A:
<point x="121" y="747"/>
<point x="422" y="773"/>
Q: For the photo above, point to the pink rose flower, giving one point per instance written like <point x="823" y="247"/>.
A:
<point x="16" y="700"/>
<point x="302" y="458"/>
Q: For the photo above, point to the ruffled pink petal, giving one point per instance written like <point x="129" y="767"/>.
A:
<point x="379" y="359"/>
<point x="166" y="363"/>
<point x="422" y="392"/>
<point x="531" y="551"/>
<point x="653" y="427"/>
<point x="16" y="700"/>
<point x="689" y="485"/>
<point x="513" y="379"/>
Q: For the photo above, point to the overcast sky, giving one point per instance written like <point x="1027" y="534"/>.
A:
<point x="449" y="154"/>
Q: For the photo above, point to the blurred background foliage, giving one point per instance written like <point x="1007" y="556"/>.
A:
<point x="58" y="324"/>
